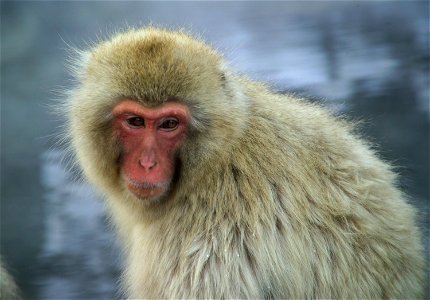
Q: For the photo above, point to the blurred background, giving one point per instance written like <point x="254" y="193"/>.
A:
<point x="367" y="60"/>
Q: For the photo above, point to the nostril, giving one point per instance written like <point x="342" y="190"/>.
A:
<point x="147" y="164"/>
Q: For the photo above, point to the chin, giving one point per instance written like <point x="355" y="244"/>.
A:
<point x="150" y="196"/>
<point x="147" y="192"/>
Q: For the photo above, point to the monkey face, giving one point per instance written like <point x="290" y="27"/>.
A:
<point x="149" y="138"/>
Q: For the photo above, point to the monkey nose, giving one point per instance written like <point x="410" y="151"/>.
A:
<point x="147" y="164"/>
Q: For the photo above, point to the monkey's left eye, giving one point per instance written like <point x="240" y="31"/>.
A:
<point x="169" y="124"/>
<point x="136" y="122"/>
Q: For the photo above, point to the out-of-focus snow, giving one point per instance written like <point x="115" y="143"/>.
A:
<point x="79" y="253"/>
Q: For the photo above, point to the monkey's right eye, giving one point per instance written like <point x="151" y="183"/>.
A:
<point x="136" y="122"/>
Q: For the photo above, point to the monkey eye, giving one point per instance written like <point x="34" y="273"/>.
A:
<point x="169" y="124"/>
<point x="136" y="122"/>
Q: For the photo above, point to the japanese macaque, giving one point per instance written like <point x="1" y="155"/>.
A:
<point x="220" y="188"/>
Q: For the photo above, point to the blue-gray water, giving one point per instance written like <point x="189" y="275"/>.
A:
<point x="368" y="60"/>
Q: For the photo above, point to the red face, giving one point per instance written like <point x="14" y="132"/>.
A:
<point x="149" y="139"/>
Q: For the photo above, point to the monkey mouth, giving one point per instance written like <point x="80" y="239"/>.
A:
<point x="147" y="189"/>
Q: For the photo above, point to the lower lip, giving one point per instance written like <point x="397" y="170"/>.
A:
<point x="145" y="192"/>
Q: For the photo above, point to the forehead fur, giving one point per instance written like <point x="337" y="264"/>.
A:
<point x="152" y="65"/>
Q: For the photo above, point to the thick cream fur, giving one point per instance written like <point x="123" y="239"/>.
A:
<point x="276" y="198"/>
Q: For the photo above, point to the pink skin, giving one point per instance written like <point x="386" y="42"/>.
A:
<point x="149" y="138"/>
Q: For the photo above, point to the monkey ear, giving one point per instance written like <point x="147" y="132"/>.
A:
<point x="224" y="74"/>
<point x="231" y="86"/>
<point x="223" y="77"/>
<point x="224" y="69"/>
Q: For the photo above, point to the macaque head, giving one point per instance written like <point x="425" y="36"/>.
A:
<point x="149" y="140"/>
<point x="150" y="110"/>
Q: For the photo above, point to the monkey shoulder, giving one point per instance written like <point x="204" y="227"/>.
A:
<point x="292" y="143"/>
<point x="291" y="127"/>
